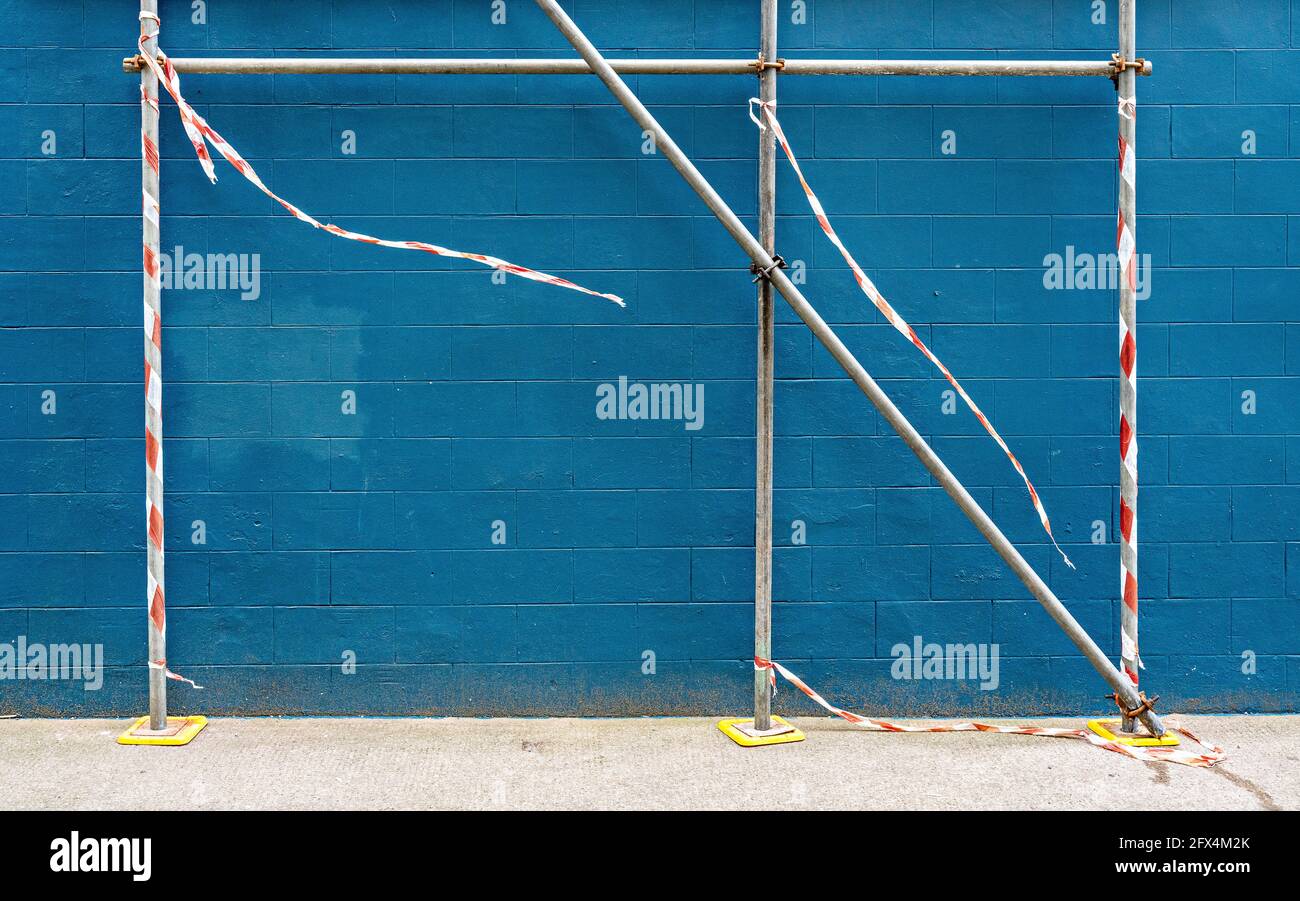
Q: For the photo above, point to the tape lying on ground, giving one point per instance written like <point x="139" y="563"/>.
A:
<point x="898" y="322"/>
<point x="1207" y="758"/>
<point x="199" y="132"/>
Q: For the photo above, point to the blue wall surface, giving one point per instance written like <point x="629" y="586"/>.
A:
<point x="329" y="535"/>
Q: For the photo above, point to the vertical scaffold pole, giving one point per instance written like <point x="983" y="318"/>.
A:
<point x="153" y="433"/>
<point x="766" y="368"/>
<point x="1126" y="82"/>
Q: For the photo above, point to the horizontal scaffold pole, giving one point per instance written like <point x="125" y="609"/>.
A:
<point x="381" y="66"/>
<point x="826" y="335"/>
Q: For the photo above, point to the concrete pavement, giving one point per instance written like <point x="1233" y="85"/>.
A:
<point x="439" y="764"/>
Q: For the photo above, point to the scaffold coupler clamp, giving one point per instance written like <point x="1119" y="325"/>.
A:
<point x="765" y="274"/>
<point x="761" y="64"/>
<point x="1145" y="705"/>
<point x="1119" y="65"/>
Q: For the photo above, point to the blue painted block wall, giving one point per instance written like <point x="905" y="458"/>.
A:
<point x="330" y="537"/>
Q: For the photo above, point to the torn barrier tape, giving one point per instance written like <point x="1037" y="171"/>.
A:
<point x="199" y="131"/>
<point x="892" y="316"/>
<point x="1126" y="245"/>
<point x="162" y="665"/>
<point x="1207" y="758"/>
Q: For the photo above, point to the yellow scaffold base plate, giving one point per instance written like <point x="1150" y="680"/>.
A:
<point x="180" y="731"/>
<point x="1102" y="728"/>
<point x="743" y="733"/>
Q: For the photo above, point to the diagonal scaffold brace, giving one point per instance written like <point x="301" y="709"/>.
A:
<point x="765" y="261"/>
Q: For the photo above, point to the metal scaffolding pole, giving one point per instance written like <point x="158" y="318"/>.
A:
<point x="150" y="177"/>
<point x="756" y="252"/>
<point x="766" y="366"/>
<point x="432" y="66"/>
<point x="1126" y="83"/>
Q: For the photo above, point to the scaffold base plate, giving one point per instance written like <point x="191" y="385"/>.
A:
<point x="743" y="733"/>
<point x="1103" y="728"/>
<point x="180" y="731"/>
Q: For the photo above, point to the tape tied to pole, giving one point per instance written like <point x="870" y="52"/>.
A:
<point x="768" y="110"/>
<point x="200" y="132"/>
<point x="1126" y="255"/>
<point x="162" y="665"/>
<point x="155" y="601"/>
<point x="1205" y="758"/>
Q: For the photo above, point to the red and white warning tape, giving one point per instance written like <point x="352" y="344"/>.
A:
<point x="154" y="596"/>
<point x="890" y="314"/>
<point x="1130" y="659"/>
<point x="199" y="131"/>
<point x="1207" y="758"/>
<point x="162" y="665"/>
